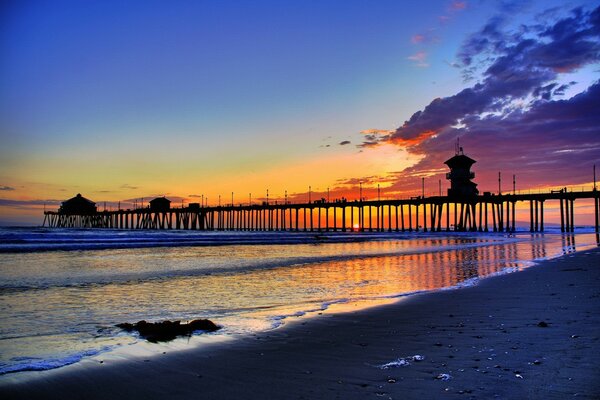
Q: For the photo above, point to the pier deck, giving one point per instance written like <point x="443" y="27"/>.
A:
<point x="487" y="212"/>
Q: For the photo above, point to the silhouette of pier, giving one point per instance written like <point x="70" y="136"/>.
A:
<point x="462" y="209"/>
<point x="484" y="213"/>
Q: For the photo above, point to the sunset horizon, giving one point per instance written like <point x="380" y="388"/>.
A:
<point x="107" y="121"/>
<point x="295" y="199"/>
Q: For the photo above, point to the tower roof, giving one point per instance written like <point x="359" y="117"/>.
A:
<point x="160" y="200"/>
<point x="79" y="199"/>
<point x="460" y="160"/>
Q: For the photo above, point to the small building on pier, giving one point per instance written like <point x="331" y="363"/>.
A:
<point x="160" y="204"/>
<point x="460" y="176"/>
<point x="78" y="205"/>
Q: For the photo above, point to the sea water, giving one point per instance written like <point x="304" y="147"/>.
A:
<point x="63" y="291"/>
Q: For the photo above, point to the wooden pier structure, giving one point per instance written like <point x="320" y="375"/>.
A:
<point x="462" y="209"/>
<point x="488" y="212"/>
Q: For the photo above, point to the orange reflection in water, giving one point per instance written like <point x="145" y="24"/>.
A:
<point x="99" y="289"/>
<point x="247" y="301"/>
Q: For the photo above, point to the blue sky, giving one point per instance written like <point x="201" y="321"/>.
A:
<point x="124" y="99"/>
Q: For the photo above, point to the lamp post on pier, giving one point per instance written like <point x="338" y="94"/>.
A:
<point x="514" y="184"/>
<point x="499" y="183"/>
<point x="360" y="191"/>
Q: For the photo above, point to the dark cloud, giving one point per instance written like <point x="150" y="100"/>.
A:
<point x="512" y="118"/>
<point x="560" y="91"/>
<point x="365" y="180"/>
<point x="28" y="203"/>
<point x="514" y="6"/>
<point x="552" y="143"/>
<point x="373" y="137"/>
<point x="344" y="142"/>
<point x="546" y="92"/>
<point x="128" y="186"/>
<point x="563" y="46"/>
<point x="370" y="141"/>
<point x="488" y="40"/>
<point x="7" y="188"/>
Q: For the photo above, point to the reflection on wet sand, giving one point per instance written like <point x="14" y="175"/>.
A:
<point x="296" y="288"/>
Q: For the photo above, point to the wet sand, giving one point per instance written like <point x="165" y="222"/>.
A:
<point x="528" y="335"/>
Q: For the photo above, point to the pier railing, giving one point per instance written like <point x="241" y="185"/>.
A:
<point x="487" y="212"/>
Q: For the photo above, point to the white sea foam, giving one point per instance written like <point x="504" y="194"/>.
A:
<point x="20" y="364"/>
<point x="278" y="320"/>
<point x="402" y="362"/>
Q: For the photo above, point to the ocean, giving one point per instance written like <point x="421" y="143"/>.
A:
<point x="63" y="291"/>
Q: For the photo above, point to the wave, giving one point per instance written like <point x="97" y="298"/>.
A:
<point x="24" y="240"/>
<point x="22" y="364"/>
<point x="240" y="267"/>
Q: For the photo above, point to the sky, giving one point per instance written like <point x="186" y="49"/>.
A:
<point x="124" y="100"/>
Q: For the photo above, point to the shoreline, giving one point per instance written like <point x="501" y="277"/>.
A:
<point x="200" y="239"/>
<point x="490" y="338"/>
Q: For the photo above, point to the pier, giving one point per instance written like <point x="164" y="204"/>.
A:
<point x="462" y="209"/>
<point x="488" y="212"/>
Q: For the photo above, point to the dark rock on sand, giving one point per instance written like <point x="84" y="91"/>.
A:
<point x="168" y="330"/>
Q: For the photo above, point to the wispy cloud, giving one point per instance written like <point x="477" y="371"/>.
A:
<point x="375" y="131"/>
<point x="424" y="39"/>
<point x="373" y="137"/>
<point x="28" y="204"/>
<point x="453" y="8"/>
<point x="418" y="38"/>
<point x="432" y="35"/>
<point x="128" y="186"/>
<point x="458" y="5"/>
<point x="6" y="188"/>
<point x="420" y="59"/>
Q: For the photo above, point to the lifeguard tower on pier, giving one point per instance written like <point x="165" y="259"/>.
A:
<point x="460" y="175"/>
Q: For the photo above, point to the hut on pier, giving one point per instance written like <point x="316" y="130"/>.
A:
<point x="460" y="176"/>
<point x="78" y="205"/>
<point x="160" y="204"/>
